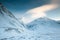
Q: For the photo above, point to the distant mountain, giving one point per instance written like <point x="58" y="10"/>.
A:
<point x="43" y="22"/>
<point x="45" y="26"/>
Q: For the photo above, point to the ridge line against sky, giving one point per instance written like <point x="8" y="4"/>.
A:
<point x="20" y="7"/>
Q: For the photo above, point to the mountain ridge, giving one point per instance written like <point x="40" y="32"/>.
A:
<point x="44" y="22"/>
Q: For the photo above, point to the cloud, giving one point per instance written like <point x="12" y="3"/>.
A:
<point x="37" y="12"/>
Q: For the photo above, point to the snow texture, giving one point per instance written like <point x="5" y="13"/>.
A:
<point x="40" y="29"/>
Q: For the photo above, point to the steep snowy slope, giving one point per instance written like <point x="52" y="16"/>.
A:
<point x="9" y="24"/>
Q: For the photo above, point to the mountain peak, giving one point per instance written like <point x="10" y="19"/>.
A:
<point x="43" y="22"/>
<point x="7" y="19"/>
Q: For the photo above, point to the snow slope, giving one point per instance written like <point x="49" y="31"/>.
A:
<point x="40" y="29"/>
<point x="9" y="24"/>
<point x="46" y="28"/>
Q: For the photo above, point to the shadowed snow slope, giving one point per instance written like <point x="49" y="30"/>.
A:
<point x="9" y="23"/>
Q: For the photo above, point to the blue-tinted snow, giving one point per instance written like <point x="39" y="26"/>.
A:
<point x="39" y="29"/>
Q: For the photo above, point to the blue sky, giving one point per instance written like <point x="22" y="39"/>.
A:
<point x="19" y="7"/>
<point x="22" y="5"/>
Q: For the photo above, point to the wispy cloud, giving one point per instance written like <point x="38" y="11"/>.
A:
<point x="40" y="11"/>
<point x="37" y="13"/>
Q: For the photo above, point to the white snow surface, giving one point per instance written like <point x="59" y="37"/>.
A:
<point x="40" y="29"/>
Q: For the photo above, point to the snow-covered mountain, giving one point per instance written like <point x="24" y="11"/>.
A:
<point x="9" y="24"/>
<point x="44" y="21"/>
<point x="46" y="28"/>
<point x="40" y="29"/>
